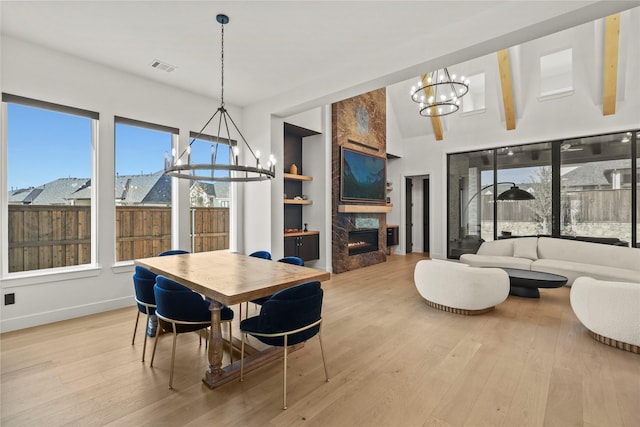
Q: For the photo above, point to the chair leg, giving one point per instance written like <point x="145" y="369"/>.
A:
<point x="242" y="357"/>
<point x="284" y="382"/>
<point x="135" y="328"/>
<point x="155" y="344"/>
<point x="173" y="357"/>
<point x="144" y="346"/>
<point x="326" y="372"/>
<point x="230" y="344"/>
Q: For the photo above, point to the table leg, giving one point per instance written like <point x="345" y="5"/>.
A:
<point x="215" y="345"/>
<point x="524" y="292"/>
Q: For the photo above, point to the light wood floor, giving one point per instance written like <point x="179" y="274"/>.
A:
<point x="393" y="361"/>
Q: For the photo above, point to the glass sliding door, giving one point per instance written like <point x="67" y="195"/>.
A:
<point x="470" y="218"/>
<point x="636" y="136"/>
<point x="529" y="168"/>
<point x="595" y="188"/>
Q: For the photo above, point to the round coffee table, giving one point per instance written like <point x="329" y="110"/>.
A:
<point x="525" y="283"/>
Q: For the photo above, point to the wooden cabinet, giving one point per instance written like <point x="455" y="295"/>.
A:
<point x="303" y="245"/>
<point x="392" y="237"/>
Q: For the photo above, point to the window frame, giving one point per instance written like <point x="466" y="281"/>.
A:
<point x="175" y="199"/>
<point x="51" y="274"/>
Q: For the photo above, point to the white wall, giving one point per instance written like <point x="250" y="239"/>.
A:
<point x="35" y="72"/>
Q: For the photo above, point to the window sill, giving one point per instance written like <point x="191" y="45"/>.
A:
<point x="473" y="112"/>
<point x="38" y="277"/>
<point x="555" y="95"/>
<point x="123" y="267"/>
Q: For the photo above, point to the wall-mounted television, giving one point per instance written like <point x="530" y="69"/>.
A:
<point x="362" y="177"/>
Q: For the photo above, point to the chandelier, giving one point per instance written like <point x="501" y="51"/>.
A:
<point x="439" y="93"/>
<point x="182" y="167"/>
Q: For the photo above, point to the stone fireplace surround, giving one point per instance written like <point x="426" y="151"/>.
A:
<point x="358" y="123"/>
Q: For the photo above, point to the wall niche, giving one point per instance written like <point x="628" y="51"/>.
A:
<point x="359" y="124"/>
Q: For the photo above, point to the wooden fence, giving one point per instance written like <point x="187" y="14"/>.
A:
<point x="590" y="206"/>
<point x="42" y="236"/>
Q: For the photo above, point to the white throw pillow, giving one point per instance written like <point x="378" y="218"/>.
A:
<point x="526" y="247"/>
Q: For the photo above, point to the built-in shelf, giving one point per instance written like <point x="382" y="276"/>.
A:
<point x="365" y="208"/>
<point x="297" y="202"/>
<point x="300" y="233"/>
<point x="297" y="177"/>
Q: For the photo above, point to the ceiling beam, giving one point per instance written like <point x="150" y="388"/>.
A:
<point x="507" y="90"/>
<point x="435" y="120"/>
<point x="610" y="84"/>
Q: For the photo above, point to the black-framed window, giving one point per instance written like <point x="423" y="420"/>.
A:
<point x="584" y="188"/>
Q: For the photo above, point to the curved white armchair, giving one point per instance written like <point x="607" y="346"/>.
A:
<point x="459" y="288"/>
<point x="609" y="310"/>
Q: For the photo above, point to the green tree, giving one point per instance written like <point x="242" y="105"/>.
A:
<point x="541" y="205"/>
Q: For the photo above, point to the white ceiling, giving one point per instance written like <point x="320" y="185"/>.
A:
<point x="310" y="52"/>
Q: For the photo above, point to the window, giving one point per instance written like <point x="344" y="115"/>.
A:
<point x="583" y="189"/>
<point x="593" y="200"/>
<point x="556" y="73"/>
<point x="529" y="167"/>
<point x="475" y="99"/>
<point x="209" y="201"/>
<point x="49" y="174"/>
<point x="142" y="189"/>
<point x="470" y="218"/>
<point x="637" y="199"/>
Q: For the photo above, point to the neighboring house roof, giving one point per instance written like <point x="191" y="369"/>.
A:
<point x="593" y="175"/>
<point x="152" y="188"/>
<point x="221" y="190"/>
<point x="57" y="192"/>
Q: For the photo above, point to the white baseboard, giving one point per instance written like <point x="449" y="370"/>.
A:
<point x="12" y="324"/>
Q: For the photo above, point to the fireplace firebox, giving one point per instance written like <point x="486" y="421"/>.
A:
<point x="363" y="241"/>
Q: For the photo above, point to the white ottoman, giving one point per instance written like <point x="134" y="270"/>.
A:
<point x="609" y="310"/>
<point x="459" y="288"/>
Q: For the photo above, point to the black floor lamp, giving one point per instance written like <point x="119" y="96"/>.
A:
<point x="513" y="193"/>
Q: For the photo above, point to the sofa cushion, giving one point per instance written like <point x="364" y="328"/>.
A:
<point x="573" y="270"/>
<point x="526" y="247"/>
<point x="497" y="248"/>
<point x="496" y="261"/>
<point x="589" y="253"/>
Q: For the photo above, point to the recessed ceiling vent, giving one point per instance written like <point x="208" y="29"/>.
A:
<point x="162" y="66"/>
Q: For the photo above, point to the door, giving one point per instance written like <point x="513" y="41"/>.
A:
<point x="425" y="213"/>
<point x="409" y="215"/>
<point x="291" y="246"/>
<point x="309" y="247"/>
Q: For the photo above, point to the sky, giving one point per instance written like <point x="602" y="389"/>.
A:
<point x="45" y="145"/>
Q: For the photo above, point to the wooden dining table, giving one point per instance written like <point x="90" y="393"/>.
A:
<point x="227" y="278"/>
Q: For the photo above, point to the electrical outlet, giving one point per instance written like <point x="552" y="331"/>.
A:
<point x="9" y="299"/>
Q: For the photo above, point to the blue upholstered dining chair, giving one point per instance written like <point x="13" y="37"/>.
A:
<point x="261" y="254"/>
<point x="256" y="254"/>
<point x="174" y="252"/>
<point x="292" y="260"/>
<point x="289" y="317"/>
<point x="287" y="260"/>
<point x="181" y="310"/>
<point x="143" y="282"/>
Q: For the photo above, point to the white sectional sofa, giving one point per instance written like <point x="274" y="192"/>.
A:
<point x="568" y="258"/>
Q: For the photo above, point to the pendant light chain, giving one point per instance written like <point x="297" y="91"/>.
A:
<point x="222" y="66"/>
<point x="182" y="167"/>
